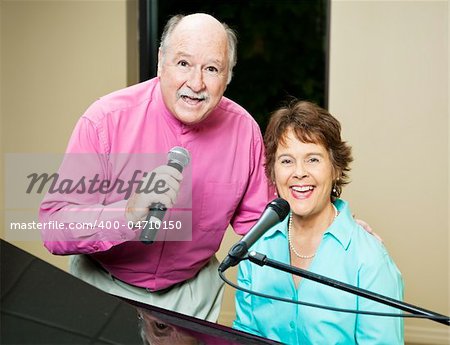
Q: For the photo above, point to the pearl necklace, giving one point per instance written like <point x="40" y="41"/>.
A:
<point x="297" y="254"/>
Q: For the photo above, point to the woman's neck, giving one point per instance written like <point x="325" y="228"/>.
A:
<point x="314" y="225"/>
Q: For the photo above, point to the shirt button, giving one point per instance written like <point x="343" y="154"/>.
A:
<point x="95" y="247"/>
<point x="292" y="324"/>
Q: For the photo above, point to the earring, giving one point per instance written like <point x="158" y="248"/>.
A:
<point x="275" y="191"/>
<point x="335" y="187"/>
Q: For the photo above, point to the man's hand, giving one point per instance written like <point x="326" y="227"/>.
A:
<point x="165" y="184"/>
<point x="367" y="227"/>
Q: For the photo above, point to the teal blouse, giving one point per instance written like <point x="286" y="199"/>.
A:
<point x="346" y="253"/>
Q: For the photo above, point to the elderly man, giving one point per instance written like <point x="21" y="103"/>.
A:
<point x="184" y="106"/>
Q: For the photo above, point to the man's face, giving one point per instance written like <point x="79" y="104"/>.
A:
<point x="193" y="71"/>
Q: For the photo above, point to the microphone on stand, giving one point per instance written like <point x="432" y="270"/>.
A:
<point x="274" y="213"/>
<point x="178" y="158"/>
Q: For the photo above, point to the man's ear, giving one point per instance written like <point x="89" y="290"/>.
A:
<point x="160" y="57"/>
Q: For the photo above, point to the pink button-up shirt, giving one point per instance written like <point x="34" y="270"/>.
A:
<point x="225" y="181"/>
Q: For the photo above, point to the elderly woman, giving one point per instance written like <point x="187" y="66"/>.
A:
<point x="308" y="162"/>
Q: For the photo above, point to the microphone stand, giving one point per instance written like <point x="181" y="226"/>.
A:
<point x="261" y="260"/>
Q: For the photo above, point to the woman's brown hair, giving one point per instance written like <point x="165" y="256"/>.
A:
<point x="311" y="124"/>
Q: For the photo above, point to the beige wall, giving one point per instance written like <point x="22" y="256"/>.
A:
<point x="56" y="58"/>
<point x="389" y="87"/>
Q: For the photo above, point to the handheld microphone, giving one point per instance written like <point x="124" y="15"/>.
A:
<point x="274" y="213"/>
<point x="178" y="158"/>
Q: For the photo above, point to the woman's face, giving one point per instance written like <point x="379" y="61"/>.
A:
<point x="303" y="176"/>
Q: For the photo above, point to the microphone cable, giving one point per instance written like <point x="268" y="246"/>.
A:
<point x="313" y="305"/>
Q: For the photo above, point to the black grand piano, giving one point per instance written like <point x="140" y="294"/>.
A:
<point x="41" y="304"/>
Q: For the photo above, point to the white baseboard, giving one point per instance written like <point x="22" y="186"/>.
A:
<point x="427" y="336"/>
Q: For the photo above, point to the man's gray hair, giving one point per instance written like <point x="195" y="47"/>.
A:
<point x="231" y="35"/>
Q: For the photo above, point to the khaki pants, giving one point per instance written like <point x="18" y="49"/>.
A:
<point x="200" y="296"/>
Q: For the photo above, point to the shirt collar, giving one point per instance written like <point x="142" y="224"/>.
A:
<point x="341" y="229"/>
